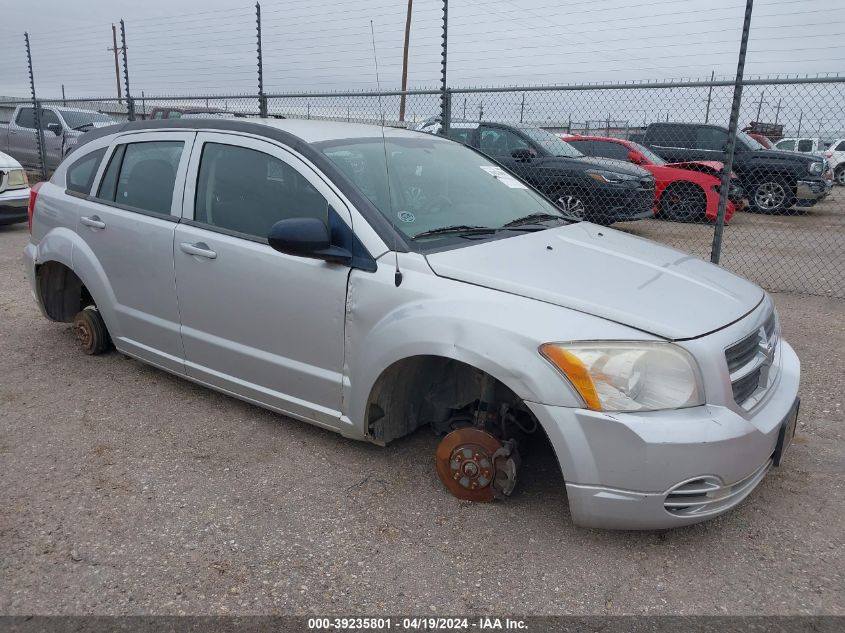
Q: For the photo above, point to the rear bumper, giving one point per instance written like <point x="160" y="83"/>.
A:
<point x="13" y="206"/>
<point x="620" y="204"/>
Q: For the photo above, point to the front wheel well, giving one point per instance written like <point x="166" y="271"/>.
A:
<point x="61" y="291"/>
<point x="420" y="390"/>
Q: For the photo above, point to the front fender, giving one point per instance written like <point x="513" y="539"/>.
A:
<point x="493" y="331"/>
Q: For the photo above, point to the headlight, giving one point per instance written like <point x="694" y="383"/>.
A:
<point x="17" y="179"/>
<point x="609" y="176"/>
<point x="635" y="376"/>
<point x="816" y="168"/>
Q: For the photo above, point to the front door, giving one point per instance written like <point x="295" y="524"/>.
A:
<point x="264" y="325"/>
<point x="128" y="224"/>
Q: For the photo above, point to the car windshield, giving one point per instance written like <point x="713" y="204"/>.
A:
<point x="748" y="141"/>
<point x="649" y="155"/>
<point x="76" y="119"/>
<point x="436" y="184"/>
<point x="551" y="143"/>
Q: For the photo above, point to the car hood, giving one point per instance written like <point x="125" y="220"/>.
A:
<point x="784" y="155"/>
<point x="7" y="162"/>
<point x="609" y="274"/>
<point x="612" y="164"/>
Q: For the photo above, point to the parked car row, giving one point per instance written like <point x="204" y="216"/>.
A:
<point x="372" y="281"/>
<point x="61" y="127"/>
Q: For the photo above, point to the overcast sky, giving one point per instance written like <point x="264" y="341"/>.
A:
<point x="208" y="46"/>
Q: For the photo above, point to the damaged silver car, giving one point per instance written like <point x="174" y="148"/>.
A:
<point x="372" y="281"/>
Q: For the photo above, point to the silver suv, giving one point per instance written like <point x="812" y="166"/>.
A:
<point x="374" y="284"/>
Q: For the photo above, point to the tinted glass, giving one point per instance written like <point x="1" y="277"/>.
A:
<point x="805" y="145"/>
<point x="142" y="175"/>
<point x="840" y="147"/>
<point x="711" y="138"/>
<point x="609" y="149"/>
<point x="434" y="183"/>
<point x="248" y="191"/>
<point x="26" y="118"/>
<point x="497" y="142"/>
<point x="174" y="114"/>
<point x="48" y="117"/>
<point x="80" y="175"/>
<point x="671" y="136"/>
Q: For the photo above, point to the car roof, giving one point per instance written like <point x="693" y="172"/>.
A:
<point x="610" y="139"/>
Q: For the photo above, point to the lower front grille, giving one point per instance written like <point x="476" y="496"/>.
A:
<point x="707" y="494"/>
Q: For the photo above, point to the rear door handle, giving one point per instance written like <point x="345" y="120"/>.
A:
<point x="94" y="222"/>
<point x="200" y="249"/>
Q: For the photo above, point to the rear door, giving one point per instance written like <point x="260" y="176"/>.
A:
<point x="674" y="143"/>
<point x="129" y="225"/>
<point x="262" y="324"/>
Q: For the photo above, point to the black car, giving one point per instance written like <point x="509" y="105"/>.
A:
<point x="599" y="190"/>
<point x="774" y="180"/>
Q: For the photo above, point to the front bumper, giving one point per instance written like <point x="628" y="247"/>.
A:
<point x="13" y="206"/>
<point x="620" y="468"/>
<point x="812" y="190"/>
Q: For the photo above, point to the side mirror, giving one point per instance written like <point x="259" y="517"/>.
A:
<point x="306" y="237"/>
<point x="636" y="157"/>
<point x="522" y="153"/>
<point x="55" y="128"/>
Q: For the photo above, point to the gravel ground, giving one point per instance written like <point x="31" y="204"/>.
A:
<point x="128" y="491"/>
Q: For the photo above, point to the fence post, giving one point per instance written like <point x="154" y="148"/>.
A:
<point x="130" y="102"/>
<point x="36" y="111"/>
<point x="445" y="96"/>
<point x="262" y="99"/>
<point x="716" y="249"/>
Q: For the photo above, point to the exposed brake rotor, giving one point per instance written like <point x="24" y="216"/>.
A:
<point x="475" y="466"/>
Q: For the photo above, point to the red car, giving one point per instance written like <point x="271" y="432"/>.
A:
<point x="683" y="191"/>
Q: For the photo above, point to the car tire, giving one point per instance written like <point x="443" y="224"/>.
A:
<point x="91" y="331"/>
<point x="683" y="202"/>
<point x="771" y="196"/>
<point x="839" y="175"/>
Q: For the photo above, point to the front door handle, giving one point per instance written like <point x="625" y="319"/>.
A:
<point x="94" y="222"/>
<point x="200" y="249"/>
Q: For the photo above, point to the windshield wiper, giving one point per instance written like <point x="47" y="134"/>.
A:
<point x="533" y="218"/>
<point x="460" y="229"/>
<point x="79" y="127"/>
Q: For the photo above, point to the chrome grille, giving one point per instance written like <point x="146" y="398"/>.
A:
<point x="749" y="361"/>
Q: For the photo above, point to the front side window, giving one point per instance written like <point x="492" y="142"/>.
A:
<point x="805" y="145"/>
<point x="247" y="191"/>
<point x="48" y="118"/>
<point x="497" y="142"/>
<point x="435" y="183"/>
<point x="143" y="175"/>
<point x="711" y="138"/>
<point x="80" y="175"/>
<point x="840" y="147"/>
<point x="174" y="114"/>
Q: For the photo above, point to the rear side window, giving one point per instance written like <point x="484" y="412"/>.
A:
<point x="247" y="191"/>
<point x="26" y="118"/>
<point x="840" y="147"/>
<point x="142" y="175"/>
<point x="80" y="175"/>
<point x="786" y="145"/>
<point x="609" y="149"/>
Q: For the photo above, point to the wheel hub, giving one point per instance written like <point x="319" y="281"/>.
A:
<point x="466" y="462"/>
<point x="84" y="335"/>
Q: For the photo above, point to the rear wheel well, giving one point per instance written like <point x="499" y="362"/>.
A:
<point x="61" y="291"/>
<point x="427" y="389"/>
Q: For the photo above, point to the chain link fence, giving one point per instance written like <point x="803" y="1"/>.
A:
<point x="649" y="165"/>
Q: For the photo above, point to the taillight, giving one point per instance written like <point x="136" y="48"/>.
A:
<point x="33" y="195"/>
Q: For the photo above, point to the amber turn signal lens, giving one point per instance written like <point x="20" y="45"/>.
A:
<point x="572" y="367"/>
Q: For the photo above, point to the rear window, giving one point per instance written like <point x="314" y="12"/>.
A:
<point x="142" y="175"/>
<point x="80" y="175"/>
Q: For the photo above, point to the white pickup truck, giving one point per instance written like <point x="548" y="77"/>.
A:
<point x="62" y="128"/>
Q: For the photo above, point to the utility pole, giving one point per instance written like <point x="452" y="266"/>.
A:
<point x="114" y="49"/>
<point x="480" y="111"/>
<point x="777" y="112"/>
<point x="522" y="108"/>
<point x="465" y="109"/>
<point x="64" y="102"/>
<point x="709" y="96"/>
<point x="405" y="61"/>
<point x="800" y="118"/>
